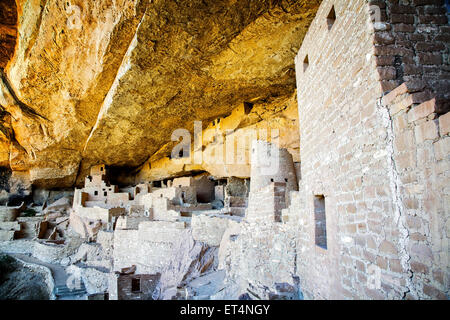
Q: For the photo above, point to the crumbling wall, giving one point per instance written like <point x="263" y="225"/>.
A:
<point x="209" y="229"/>
<point x="259" y="257"/>
<point x="259" y="254"/>
<point x="163" y="247"/>
<point x="176" y="195"/>
<point x="349" y="157"/>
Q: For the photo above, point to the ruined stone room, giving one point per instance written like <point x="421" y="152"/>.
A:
<point x="224" y="150"/>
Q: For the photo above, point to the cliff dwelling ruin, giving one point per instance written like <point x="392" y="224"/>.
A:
<point x="225" y="150"/>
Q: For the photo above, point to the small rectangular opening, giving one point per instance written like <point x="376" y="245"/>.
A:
<point x="105" y="193"/>
<point x="136" y="285"/>
<point x="305" y="63"/>
<point x="248" y="107"/>
<point x="186" y="214"/>
<point x="157" y="184"/>
<point x="331" y="18"/>
<point x="320" y="221"/>
<point x="96" y="193"/>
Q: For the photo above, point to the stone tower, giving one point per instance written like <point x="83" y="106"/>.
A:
<point x="270" y="164"/>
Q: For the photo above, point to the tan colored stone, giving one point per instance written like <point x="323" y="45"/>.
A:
<point x="444" y="124"/>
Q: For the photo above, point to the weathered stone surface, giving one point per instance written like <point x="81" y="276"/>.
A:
<point x="94" y="280"/>
<point x="10" y="226"/>
<point x="51" y="253"/>
<point x="24" y="281"/>
<point x="276" y="118"/>
<point x="106" y="240"/>
<point x="261" y="256"/>
<point x="6" y="235"/>
<point x="15" y="187"/>
<point x="46" y="252"/>
<point x="9" y="213"/>
<point x="176" y="63"/>
<point x="8" y="30"/>
<point x="210" y="229"/>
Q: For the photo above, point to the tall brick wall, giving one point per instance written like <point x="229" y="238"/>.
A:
<point x="349" y="155"/>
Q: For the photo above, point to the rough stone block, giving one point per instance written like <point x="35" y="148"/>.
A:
<point x="421" y="111"/>
<point x="411" y="86"/>
<point x="442" y="148"/>
<point x="388" y="247"/>
<point x="6" y="235"/>
<point x="426" y="131"/>
<point x="209" y="229"/>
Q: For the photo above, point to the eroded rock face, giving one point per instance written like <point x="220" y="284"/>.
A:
<point x="15" y="187"/>
<point x="8" y="30"/>
<point x="110" y="80"/>
<point x="276" y="120"/>
<point x="19" y="282"/>
<point x="67" y="57"/>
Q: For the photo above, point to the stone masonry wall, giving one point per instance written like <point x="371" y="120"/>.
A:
<point x="421" y="171"/>
<point x="147" y="284"/>
<point x="412" y="43"/>
<point x="267" y="203"/>
<point x="341" y="135"/>
<point x="348" y="156"/>
<point x="150" y="247"/>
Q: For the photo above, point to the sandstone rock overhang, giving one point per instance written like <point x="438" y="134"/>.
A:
<point x="115" y="81"/>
